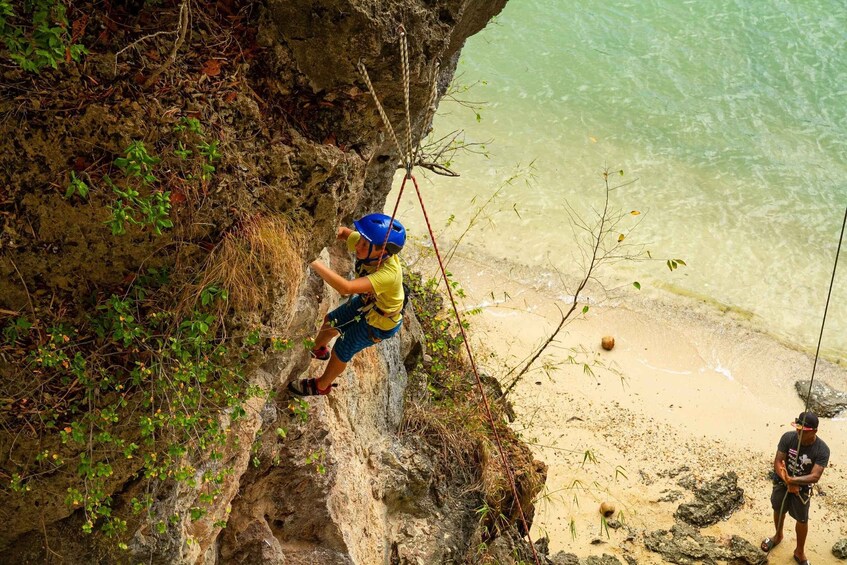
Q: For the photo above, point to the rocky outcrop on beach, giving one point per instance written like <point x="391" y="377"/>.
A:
<point x="685" y="545"/>
<point x="825" y="401"/>
<point x="713" y="501"/>
<point x="564" y="558"/>
<point x="840" y="549"/>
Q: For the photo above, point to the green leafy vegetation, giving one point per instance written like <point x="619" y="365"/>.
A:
<point x="152" y="209"/>
<point x="147" y="378"/>
<point x="36" y="34"/>
<point x="76" y="186"/>
<point x="137" y="383"/>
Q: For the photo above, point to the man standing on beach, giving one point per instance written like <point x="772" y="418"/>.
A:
<point x="801" y="457"/>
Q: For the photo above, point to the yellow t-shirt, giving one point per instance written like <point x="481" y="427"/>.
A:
<point x="388" y="288"/>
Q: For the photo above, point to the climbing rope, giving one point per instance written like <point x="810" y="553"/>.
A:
<point x="825" y="309"/>
<point x="430" y="108"/>
<point x="817" y="355"/>
<point x="364" y="72"/>
<point x="475" y="372"/>
<point x="408" y="164"/>
<point x="404" y="64"/>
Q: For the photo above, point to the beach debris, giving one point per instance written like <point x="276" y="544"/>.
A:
<point x="604" y="559"/>
<point x="685" y="545"/>
<point x="542" y="548"/>
<point x="673" y="473"/>
<point x="607" y="509"/>
<point x="713" y="502"/>
<point x="670" y="495"/>
<point x="825" y="401"/>
<point x="840" y="549"/>
<point x="608" y="342"/>
<point x="614" y="524"/>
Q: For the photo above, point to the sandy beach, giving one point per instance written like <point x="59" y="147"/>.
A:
<point x="689" y="391"/>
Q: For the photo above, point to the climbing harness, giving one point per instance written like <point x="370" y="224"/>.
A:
<point x="408" y="156"/>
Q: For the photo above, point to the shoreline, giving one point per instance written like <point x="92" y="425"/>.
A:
<point x="689" y="392"/>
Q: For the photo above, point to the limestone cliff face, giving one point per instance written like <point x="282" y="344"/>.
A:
<point x="275" y="85"/>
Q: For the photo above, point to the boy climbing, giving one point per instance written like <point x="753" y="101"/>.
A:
<point x="376" y="310"/>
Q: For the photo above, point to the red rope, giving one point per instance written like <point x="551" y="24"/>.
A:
<point x="472" y="361"/>
<point x="393" y="215"/>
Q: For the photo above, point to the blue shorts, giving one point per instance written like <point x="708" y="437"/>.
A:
<point x="356" y="333"/>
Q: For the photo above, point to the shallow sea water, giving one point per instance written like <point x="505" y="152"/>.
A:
<point x="728" y="118"/>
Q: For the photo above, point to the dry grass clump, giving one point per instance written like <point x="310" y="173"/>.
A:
<point x="259" y="260"/>
<point x="445" y="430"/>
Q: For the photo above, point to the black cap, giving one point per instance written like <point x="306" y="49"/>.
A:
<point x="808" y="420"/>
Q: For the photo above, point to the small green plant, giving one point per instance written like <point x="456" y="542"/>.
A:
<point x="138" y="163"/>
<point x="181" y="151"/>
<point x="16" y="329"/>
<point x="300" y="408"/>
<point x="207" y="152"/>
<point x="211" y="293"/>
<point x="39" y="36"/>
<point x="588" y="457"/>
<point x="604" y="527"/>
<point x="318" y="459"/>
<point x="211" y="154"/>
<point x="76" y="186"/>
<point x="281" y="344"/>
<point x="674" y="264"/>
<point x="132" y="207"/>
<point x="189" y="124"/>
<point x="482" y="512"/>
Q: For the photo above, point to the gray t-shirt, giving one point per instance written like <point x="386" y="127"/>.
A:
<point x="801" y="463"/>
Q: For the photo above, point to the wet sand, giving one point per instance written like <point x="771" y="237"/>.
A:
<point x="689" y="390"/>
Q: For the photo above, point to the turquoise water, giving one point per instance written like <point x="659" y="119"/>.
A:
<point x="730" y="116"/>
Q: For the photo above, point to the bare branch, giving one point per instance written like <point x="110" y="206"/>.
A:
<point x="140" y="40"/>
<point x="184" y="24"/>
<point x="603" y="246"/>
<point x="437" y="169"/>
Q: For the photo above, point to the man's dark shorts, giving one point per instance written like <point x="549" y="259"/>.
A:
<point x="793" y="503"/>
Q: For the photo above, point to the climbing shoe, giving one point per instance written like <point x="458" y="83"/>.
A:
<point x="321" y="353"/>
<point x="308" y="387"/>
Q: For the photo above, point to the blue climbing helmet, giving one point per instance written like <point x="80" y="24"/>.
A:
<point x="374" y="227"/>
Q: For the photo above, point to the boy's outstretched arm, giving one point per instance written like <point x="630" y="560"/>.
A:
<point x="361" y="285"/>
<point x="343" y="233"/>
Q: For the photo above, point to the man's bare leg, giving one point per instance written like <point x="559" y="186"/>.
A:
<point x="802" y="530"/>
<point x="778" y="522"/>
